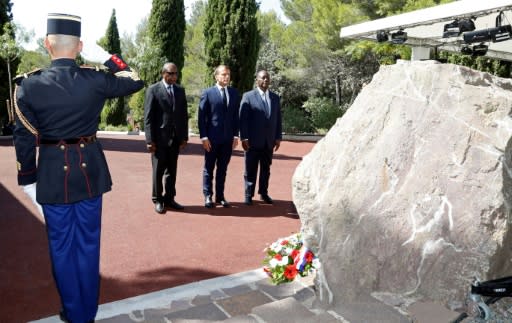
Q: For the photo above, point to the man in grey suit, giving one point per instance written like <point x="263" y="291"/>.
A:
<point x="166" y="130"/>
<point x="218" y="129"/>
<point x="261" y="134"/>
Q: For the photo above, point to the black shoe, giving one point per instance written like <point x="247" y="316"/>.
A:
<point x="159" y="207"/>
<point x="62" y="316"/>
<point x="175" y="205"/>
<point x="248" y="200"/>
<point x="208" y="203"/>
<point x="223" y="202"/>
<point x="267" y="199"/>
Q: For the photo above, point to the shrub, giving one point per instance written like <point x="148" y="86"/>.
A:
<point x="323" y="113"/>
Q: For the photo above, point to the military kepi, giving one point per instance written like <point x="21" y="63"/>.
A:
<point x="64" y="24"/>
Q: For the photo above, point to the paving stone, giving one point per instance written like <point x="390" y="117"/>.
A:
<point x="287" y="310"/>
<point x="304" y="294"/>
<point x="201" y="300"/>
<point x="218" y="294"/>
<point x="243" y="304"/>
<point x="202" y="312"/>
<point x="428" y="312"/>
<point x="123" y="318"/>
<point x="180" y="304"/>
<point x="155" y="315"/>
<point x="241" y="319"/>
<point x="370" y="310"/>
<point x="280" y="291"/>
<point x="237" y="290"/>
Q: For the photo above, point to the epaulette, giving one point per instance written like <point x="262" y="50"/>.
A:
<point x="17" y="79"/>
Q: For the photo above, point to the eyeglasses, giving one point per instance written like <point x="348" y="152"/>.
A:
<point x="171" y="73"/>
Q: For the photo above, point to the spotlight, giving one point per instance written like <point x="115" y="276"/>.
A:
<point x="382" y="36"/>
<point x="496" y="34"/>
<point x="476" y="50"/>
<point x="399" y="37"/>
<point x="456" y="27"/>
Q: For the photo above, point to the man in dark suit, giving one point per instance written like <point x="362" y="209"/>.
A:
<point x="218" y="129"/>
<point x="261" y="134"/>
<point x="166" y="130"/>
<point x="59" y="108"/>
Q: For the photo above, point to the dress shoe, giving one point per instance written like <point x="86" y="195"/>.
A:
<point x="175" y="205"/>
<point x="267" y="199"/>
<point x="159" y="207"/>
<point x="223" y="202"/>
<point x="248" y="200"/>
<point x="208" y="203"/>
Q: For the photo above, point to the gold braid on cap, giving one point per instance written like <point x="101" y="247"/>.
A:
<point x="22" y="117"/>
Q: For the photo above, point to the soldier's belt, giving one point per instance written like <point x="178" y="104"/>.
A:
<point x="70" y="141"/>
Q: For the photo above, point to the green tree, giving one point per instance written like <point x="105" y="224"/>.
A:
<point x="166" y="30"/>
<point x="195" y="69"/>
<point x="5" y="17"/>
<point x="232" y="38"/>
<point x="113" y="113"/>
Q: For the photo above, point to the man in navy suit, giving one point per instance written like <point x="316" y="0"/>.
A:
<point x="218" y="129"/>
<point x="58" y="108"/>
<point x="166" y="130"/>
<point x="261" y="134"/>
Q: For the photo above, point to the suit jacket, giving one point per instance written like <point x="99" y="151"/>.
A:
<point x="214" y="121"/>
<point x="262" y="132"/>
<point x="61" y="102"/>
<point x="163" y="120"/>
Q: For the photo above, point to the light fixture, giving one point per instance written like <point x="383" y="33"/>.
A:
<point x="456" y="27"/>
<point x="382" y="36"/>
<point x="475" y="50"/>
<point x="497" y="34"/>
<point x="399" y="37"/>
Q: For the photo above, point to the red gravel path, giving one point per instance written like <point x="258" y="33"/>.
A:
<point x="143" y="251"/>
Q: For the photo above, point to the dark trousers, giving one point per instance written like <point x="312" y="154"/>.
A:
<point x="165" y="165"/>
<point x="219" y="156"/>
<point x="74" y="241"/>
<point x="253" y="158"/>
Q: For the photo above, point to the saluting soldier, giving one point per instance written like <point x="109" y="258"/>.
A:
<point x="58" y="109"/>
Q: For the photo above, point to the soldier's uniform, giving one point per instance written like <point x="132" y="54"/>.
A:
<point x="58" y="109"/>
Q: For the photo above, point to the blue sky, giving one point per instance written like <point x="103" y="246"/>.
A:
<point x="31" y="14"/>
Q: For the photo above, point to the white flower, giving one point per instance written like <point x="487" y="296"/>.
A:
<point x="273" y="263"/>
<point x="316" y="263"/>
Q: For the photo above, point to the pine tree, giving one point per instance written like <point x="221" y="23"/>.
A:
<point x="113" y="113"/>
<point x="5" y="17"/>
<point x="166" y="28"/>
<point x="232" y="38"/>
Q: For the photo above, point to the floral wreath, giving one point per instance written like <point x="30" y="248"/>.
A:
<point x="288" y="257"/>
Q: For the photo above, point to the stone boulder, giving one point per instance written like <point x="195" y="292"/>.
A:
<point x="407" y="198"/>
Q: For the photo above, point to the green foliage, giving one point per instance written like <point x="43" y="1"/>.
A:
<point x="295" y="120"/>
<point x="480" y="63"/>
<point x="136" y="105"/>
<point x="166" y="30"/>
<point x="113" y="113"/>
<point x="323" y="113"/>
<point x="195" y="70"/>
<point x="232" y="38"/>
<point x="111" y="42"/>
<point x="30" y="60"/>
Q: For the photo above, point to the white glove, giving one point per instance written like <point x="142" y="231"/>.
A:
<point x="30" y="190"/>
<point x="94" y="53"/>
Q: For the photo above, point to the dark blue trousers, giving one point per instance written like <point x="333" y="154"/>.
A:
<point x="219" y="156"/>
<point x="74" y="241"/>
<point x="253" y="159"/>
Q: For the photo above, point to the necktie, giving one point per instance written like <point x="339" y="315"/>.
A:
<point x="171" y="95"/>
<point x="267" y="107"/>
<point x="224" y="98"/>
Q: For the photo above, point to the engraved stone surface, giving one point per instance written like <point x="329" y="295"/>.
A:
<point x="408" y="196"/>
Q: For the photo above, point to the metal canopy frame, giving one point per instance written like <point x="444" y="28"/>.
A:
<point x="424" y="27"/>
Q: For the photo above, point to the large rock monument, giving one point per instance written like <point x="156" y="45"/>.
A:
<point x="408" y="197"/>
